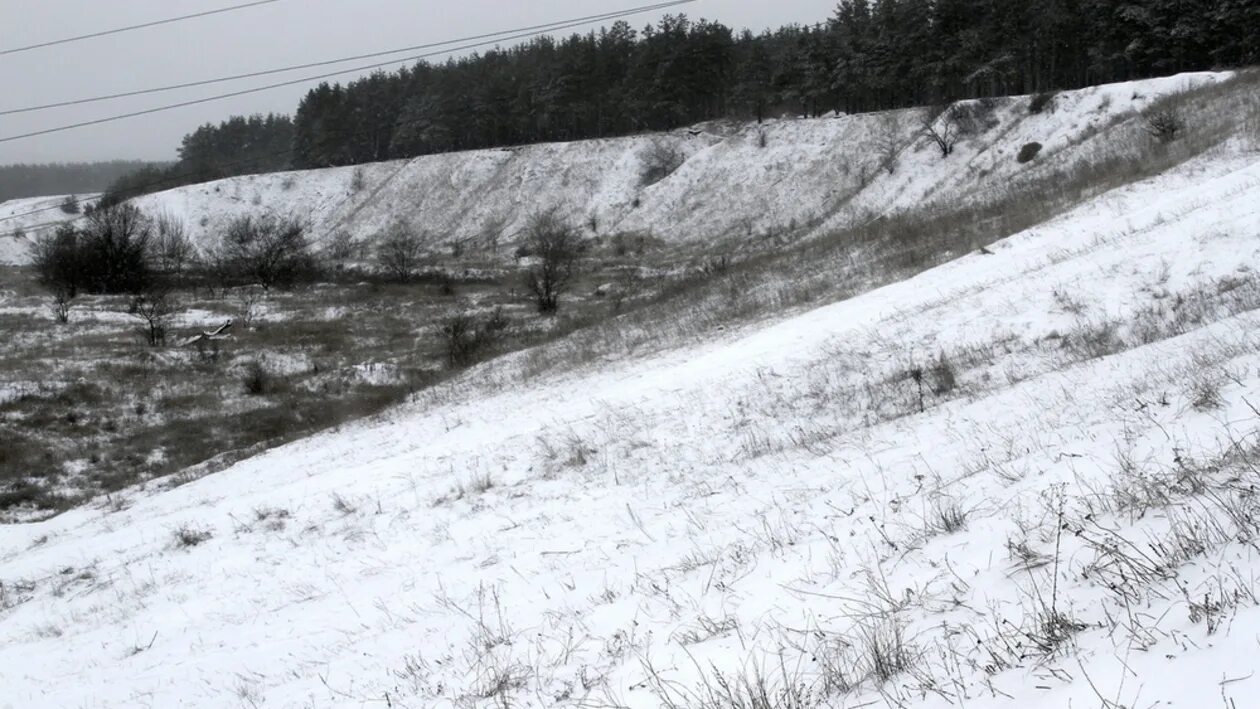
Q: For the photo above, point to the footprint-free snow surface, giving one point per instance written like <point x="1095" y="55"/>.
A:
<point x="1020" y="479"/>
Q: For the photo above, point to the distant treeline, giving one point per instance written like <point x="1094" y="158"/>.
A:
<point x="870" y="55"/>
<point x="19" y="181"/>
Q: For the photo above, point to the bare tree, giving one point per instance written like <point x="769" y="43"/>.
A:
<point x="272" y="252"/>
<point x="156" y="309"/>
<point x="400" y="251"/>
<point x="942" y="126"/>
<point x="555" y="245"/>
<point x="58" y="261"/>
<point x="887" y="142"/>
<point x="492" y="231"/>
<point x="172" y="249"/>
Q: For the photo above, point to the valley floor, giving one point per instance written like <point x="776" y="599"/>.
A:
<point x="1025" y="478"/>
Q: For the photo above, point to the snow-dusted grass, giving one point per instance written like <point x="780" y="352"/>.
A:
<point x="770" y="518"/>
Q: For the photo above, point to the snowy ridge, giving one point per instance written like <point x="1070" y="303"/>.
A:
<point x="769" y="505"/>
<point x="810" y="176"/>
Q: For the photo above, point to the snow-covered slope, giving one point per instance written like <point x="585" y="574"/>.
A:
<point x="22" y="220"/>
<point x="1066" y="523"/>
<point x="810" y="174"/>
<point x="739" y="181"/>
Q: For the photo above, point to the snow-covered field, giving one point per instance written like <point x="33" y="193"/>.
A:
<point x="1025" y="478"/>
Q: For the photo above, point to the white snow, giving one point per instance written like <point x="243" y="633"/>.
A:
<point x="750" y="503"/>
<point x="24" y="220"/>
<point x="811" y="175"/>
<point x="619" y="534"/>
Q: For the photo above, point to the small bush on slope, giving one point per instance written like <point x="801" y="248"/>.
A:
<point x="1028" y="152"/>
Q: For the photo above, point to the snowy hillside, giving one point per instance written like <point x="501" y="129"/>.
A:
<point x="738" y="181"/>
<point x="1024" y="478"/>
<point x="22" y="220"/>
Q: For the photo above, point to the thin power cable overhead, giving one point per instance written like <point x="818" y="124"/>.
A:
<point x="311" y="65"/>
<point x="405" y="60"/>
<point x="132" y="28"/>
<point x="173" y="181"/>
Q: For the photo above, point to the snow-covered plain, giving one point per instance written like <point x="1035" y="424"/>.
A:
<point x="1068" y="522"/>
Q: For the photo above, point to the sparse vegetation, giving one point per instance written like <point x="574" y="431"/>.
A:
<point x="660" y="160"/>
<point x="399" y="251"/>
<point x="1164" y="124"/>
<point x="1028" y="152"/>
<point x="155" y="309"/>
<point x="943" y="127"/>
<point x="1042" y="102"/>
<point x="190" y="535"/>
<point x="269" y="251"/>
<point x="555" y="245"/>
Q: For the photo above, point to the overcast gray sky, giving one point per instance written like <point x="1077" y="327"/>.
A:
<point x="281" y="34"/>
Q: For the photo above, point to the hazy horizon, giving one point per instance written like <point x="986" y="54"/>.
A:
<point x="264" y="37"/>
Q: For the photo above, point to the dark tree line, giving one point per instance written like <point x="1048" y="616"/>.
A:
<point x="19" y="181"/>
<point x="870" y="55"/>
<point x="238" y="146"/>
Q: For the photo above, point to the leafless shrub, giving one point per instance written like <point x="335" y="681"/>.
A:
<point x="659" y="162"/>
<point x="61" y="304"/>
<point x="343" y="506"/>
<point x="188" y="535"/>
<point x="1205" y="391"/>
<point x="1164" y="124"/>
<point x="156" y="308"/>
<point x="399" y="251"/>
<point x="358" y="180"/>
<point x="257" y="380"/>
<point x="1091" y="340"/>
<point x="468" y="337"/>
<point x="272" y="519"/>
<point x="1041" y="102"/>
<point x="1028" y="152"/>
<point x="247" y="301"/>
<point x="342" y="247"/>
<point x="975" y="117"/>
<point x="269" y="251"/>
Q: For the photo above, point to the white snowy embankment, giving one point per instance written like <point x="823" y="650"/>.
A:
<point x="727" y="506"/>
<point x="810" y="176"/>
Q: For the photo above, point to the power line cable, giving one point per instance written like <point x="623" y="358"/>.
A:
<point x="131" y="28"/>
<point x="194" y="102"/>
<point x="174" y="181"/>
<point x="251" y="75"/>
